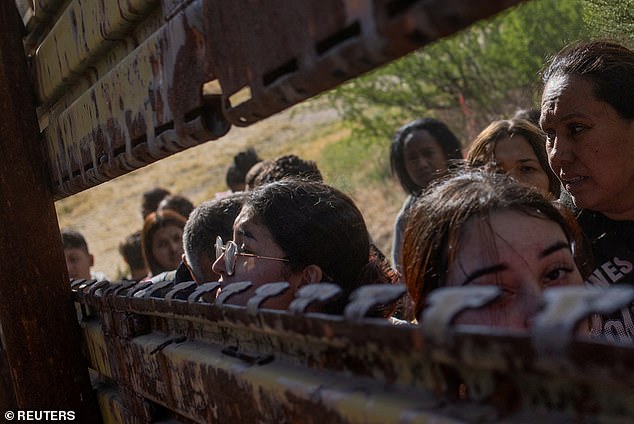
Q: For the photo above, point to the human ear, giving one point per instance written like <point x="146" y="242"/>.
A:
<point x="91" y="260"/>
<point x="311" y="274"/>
<point x="184" y="259"/>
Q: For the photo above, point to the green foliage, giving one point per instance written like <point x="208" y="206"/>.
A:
<point x="492" y="67"/>
<point x="367" y="155"/>
<point x="483" y="73"/>
<point x="611" y="19"/>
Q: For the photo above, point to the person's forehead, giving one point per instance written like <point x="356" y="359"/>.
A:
<point x="247" y="222"/>
<point x="75" y="251"/>
<point x="420" y="137"/>
<point x="565" y="91"/>
<point x="514" y="147"/>
<point x="508" y="230"/>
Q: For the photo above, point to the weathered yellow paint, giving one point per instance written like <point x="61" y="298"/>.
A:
<point x="98" y="355"/>
<point x="112" y="411"/>
<point x="86" y="30"/>
<point x="128" y="103"/>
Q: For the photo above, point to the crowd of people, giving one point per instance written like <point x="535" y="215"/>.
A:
<point x="542" y="199"/>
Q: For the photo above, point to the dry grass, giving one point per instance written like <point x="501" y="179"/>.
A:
<point x="106" y="214"/>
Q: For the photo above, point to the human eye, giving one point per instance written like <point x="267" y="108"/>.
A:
<point x="242" y="248"/>
<point x="429" y="153"/>
<point x="527" y="169"/>
<point x="575" y="128"/>
<point x="557" y="275"/>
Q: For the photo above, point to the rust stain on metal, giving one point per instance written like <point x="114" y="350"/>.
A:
<point x="316" y="46"/>
<point x="142" y="110"/>
<point x="85" y="31"/>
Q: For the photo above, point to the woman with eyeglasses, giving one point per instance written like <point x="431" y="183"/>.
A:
<point x="297" y="231"/>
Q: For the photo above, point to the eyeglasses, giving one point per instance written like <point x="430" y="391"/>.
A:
<point x="231" y="251"/>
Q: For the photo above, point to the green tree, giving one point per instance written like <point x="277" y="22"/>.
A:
<point x="480" y="74"/>
<point x="611" y="19"/>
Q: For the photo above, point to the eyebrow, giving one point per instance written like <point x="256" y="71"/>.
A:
<point x="484" y="271"/>
<point x="244" y="232"/>
<point x="566" y="117"/>
<point x="555" y="247"/>
<point x="558" y="245"/>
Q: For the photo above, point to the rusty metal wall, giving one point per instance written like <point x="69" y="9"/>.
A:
<point x="171" y="351"/>
<point x="123" y="83"/>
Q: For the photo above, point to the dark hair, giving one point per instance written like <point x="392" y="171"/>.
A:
<point x="252" y="177"/>
<point x="210" y="219"/>
<point x="153" y="222"/>
<point x="177" y="203"/>
<point x="237" y="171"/>
<point x="288" y="166"/>
<point x="437" y="220"/>
<point x="72" y="239"/>
<point x="131" y="250"/>
<point x="531" y="115"/>
<point x="151" y="199"/>
<point x="314" y="223"/>
<point x="482" y="150"/>
<point x="608" y="66"/>
<point x="446" y="139"/>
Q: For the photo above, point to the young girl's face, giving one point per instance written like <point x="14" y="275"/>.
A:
<point x="167" y="246"/>
<point x="522" y="255"/>
<point x="264" y="263"/>
<point x="424" y="158"/>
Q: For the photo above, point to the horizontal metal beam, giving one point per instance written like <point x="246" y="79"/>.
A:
<point x="205" y="361"/>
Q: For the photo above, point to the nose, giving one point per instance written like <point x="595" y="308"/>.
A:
<point x="219" y="265"/>
<point x="423" y="163"/>
<point x="532" y="295"/>
<point x="560" y="153"/>
<point x="176" y="247"/>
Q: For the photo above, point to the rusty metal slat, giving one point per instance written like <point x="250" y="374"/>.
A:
<point x="111" y="406"/>
<point x="492" y="363"/>
<point x="101" y="65"/>
<point x="205" y="383"/>
<point x="506" y="350"/>
<point x="150" y="106"/>
<point x="85" y="31"/>
<point x="97" y="349"/>
<point x="208" y="383"/>
<point x="317" y="45"/>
